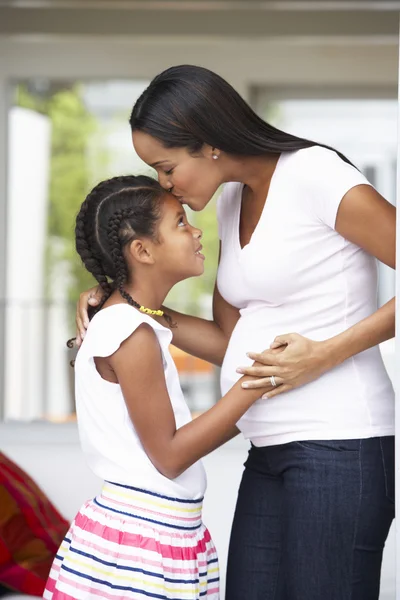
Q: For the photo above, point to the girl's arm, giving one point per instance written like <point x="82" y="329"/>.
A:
<point x="200" y="337"/>
<point x="171" y="450"/>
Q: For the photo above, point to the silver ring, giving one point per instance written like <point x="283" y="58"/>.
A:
<point x="273" y="381"/>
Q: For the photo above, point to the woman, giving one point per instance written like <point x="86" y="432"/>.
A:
<point x="300" y="228"/>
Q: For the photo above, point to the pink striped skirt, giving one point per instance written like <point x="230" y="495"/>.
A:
<point x="130" y="544"/>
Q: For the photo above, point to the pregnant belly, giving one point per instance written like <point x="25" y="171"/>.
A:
<point x="251" y="335"/>
<point x="351" y="400"/>
<point x="257" y="328"/>
<point x="248" y="336"/>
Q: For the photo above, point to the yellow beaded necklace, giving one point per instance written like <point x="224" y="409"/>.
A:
<point x="149" y="311"/>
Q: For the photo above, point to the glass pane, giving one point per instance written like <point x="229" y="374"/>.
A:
<point x="64" y="137"/>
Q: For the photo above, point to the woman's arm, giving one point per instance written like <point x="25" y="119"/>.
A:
<point x="369" y="221"/>
<point x="144" y="388"/>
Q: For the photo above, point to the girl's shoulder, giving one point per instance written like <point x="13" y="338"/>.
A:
<point x="114" y="324"/>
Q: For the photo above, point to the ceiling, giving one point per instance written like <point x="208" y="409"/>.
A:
<point x="210" y="4"/>
<point x="218" y="18"/>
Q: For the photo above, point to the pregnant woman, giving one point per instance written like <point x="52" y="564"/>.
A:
<point x="300" y="230"/>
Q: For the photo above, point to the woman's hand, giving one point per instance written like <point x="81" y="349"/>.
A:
<point x="293" y="360"/>
<point x="91" y="297"/>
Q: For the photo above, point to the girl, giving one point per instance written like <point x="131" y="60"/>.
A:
<point x="300" y="229"/>
<point x="143" y="535"/>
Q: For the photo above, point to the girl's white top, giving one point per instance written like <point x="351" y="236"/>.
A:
<point x="109" y="440"/>
<point x="298" y="275"/>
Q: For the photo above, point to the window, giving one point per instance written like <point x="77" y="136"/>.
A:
<point x="64" y="137"/>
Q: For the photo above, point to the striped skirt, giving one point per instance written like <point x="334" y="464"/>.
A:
<point x="131" y="544"/>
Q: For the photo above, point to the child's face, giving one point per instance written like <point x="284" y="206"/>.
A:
<point x="178" y="253"/>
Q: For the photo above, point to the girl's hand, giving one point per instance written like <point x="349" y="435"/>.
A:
<point x="293" y="360"/>
<point x="91" y="297"/>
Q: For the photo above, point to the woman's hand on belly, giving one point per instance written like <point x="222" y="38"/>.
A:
<point x="292" y="361"/>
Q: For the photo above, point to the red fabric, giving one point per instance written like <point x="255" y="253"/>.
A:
<point x="31" y="531"/>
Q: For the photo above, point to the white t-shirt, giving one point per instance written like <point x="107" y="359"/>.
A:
<point x="298" y="275"/>
<point x="109" y="440"/>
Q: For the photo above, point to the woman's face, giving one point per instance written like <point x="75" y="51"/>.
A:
<point x="193" y="180"/>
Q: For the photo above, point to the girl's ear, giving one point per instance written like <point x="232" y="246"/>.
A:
<point x="140" y="251"/>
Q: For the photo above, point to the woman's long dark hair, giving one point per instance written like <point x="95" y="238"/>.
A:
<point x="188" y="106"/>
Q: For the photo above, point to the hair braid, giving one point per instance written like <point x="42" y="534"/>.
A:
<point x="84" y="234"/>
<point x="121" y="272"/>
<point x="87" y="242"/>
<point x="114" y="237"/>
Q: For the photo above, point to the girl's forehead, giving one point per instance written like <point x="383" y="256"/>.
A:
<point x="171" y="205"/>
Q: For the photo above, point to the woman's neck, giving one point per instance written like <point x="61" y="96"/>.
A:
<point x="253" y="171"/>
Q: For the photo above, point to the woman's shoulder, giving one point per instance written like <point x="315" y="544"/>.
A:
<point x="316" y="159"/>
<point x="318" y="168"/>
<point x="322" y="178"/>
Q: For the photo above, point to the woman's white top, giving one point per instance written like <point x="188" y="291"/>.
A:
<point x="298" y="275"/>
<point x="109" y="440"/>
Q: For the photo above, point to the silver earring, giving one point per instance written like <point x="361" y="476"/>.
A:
<point x="215" y="156"/>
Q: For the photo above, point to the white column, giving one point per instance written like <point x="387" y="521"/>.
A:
<point x="28" y="173"/>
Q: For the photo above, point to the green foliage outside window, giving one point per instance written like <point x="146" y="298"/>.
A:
<point x="78" y="160"/>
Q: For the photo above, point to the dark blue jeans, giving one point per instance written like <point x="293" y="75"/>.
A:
<point x="311" y="521"/>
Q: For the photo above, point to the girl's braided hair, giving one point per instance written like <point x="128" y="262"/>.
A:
<point x="116" y="212"/>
